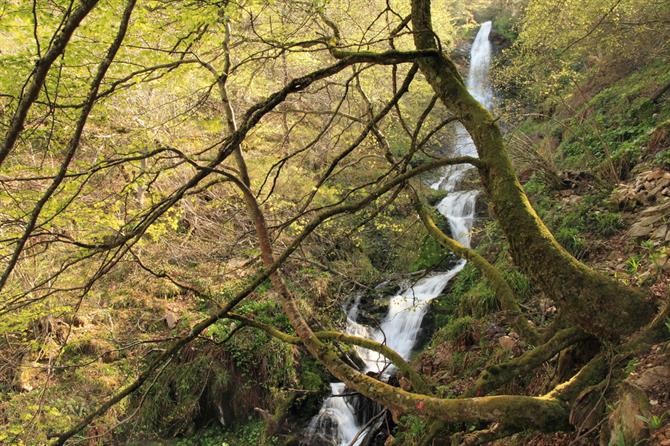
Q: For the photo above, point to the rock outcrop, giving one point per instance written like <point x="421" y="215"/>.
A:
<point x="649" y="197"/>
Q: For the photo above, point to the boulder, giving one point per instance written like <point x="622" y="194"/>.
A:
<point x="651" y="377"/>
<point x="652" y="223"/>
<point x="625" y="424"/>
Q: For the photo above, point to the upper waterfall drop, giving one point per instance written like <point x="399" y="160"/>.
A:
<point x="479" y="84"/>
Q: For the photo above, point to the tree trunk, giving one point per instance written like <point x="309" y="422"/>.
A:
<point x="598" y="304"/>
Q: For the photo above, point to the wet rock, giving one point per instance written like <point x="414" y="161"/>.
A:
<point x="388" y="288"/>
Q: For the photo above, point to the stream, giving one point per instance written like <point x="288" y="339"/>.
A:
<point x="341" y="421"/>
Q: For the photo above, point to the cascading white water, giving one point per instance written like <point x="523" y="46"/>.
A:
<point x="336" y="422"/>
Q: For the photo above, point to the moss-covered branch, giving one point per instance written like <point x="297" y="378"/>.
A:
<point x="497" y="375"/>
<point x="597" y="368"/>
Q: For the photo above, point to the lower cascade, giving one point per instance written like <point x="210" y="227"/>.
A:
<point x="345" y="419"/>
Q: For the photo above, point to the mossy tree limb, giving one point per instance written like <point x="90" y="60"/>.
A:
<point x="613" y="360"/>
<point x="495" y="376"/>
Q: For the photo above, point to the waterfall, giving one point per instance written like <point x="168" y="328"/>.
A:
<point x="337" y="423"/>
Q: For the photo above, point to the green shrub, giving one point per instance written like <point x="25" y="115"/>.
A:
<point x="465" y="280"/>
<point x="606" y="223"/>
<point x="432" y="255"/>
<point x="461" y="329"/>
<point x="411" y="429"/>
<point x="571" y="240"/>
<point x="519" y="283"/>
<point x="479" y="301"/>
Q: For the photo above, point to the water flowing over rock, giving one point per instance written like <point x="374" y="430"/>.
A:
<point x="344" y="419"/>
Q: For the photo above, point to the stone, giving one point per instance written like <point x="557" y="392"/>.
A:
<point x="627" y="420"/>
<point x="655" y="174"/>
<point x="661" y="262"/>
<point x="508" y="343"/>
<point x="660" y="209"/>
<point x="650" y="219"/>
<point x="649" y="378"/>
<point x="171" y="319"/>
<point x="660" y="232"/>
<point x="656" y="190"/>
<point x="640" y="231"/>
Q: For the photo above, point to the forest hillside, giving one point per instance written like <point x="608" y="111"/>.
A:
<point x="335" y="223"/>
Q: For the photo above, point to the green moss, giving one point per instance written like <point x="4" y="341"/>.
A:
<point x="479" y="301"/>
<point x="460" y="328"/>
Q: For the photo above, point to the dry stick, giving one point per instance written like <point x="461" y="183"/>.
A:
<point x="367" y="425"/>
<point x="73" y="144"/>
<point x="262" y="276"/>
<point x="39" y="75"/>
